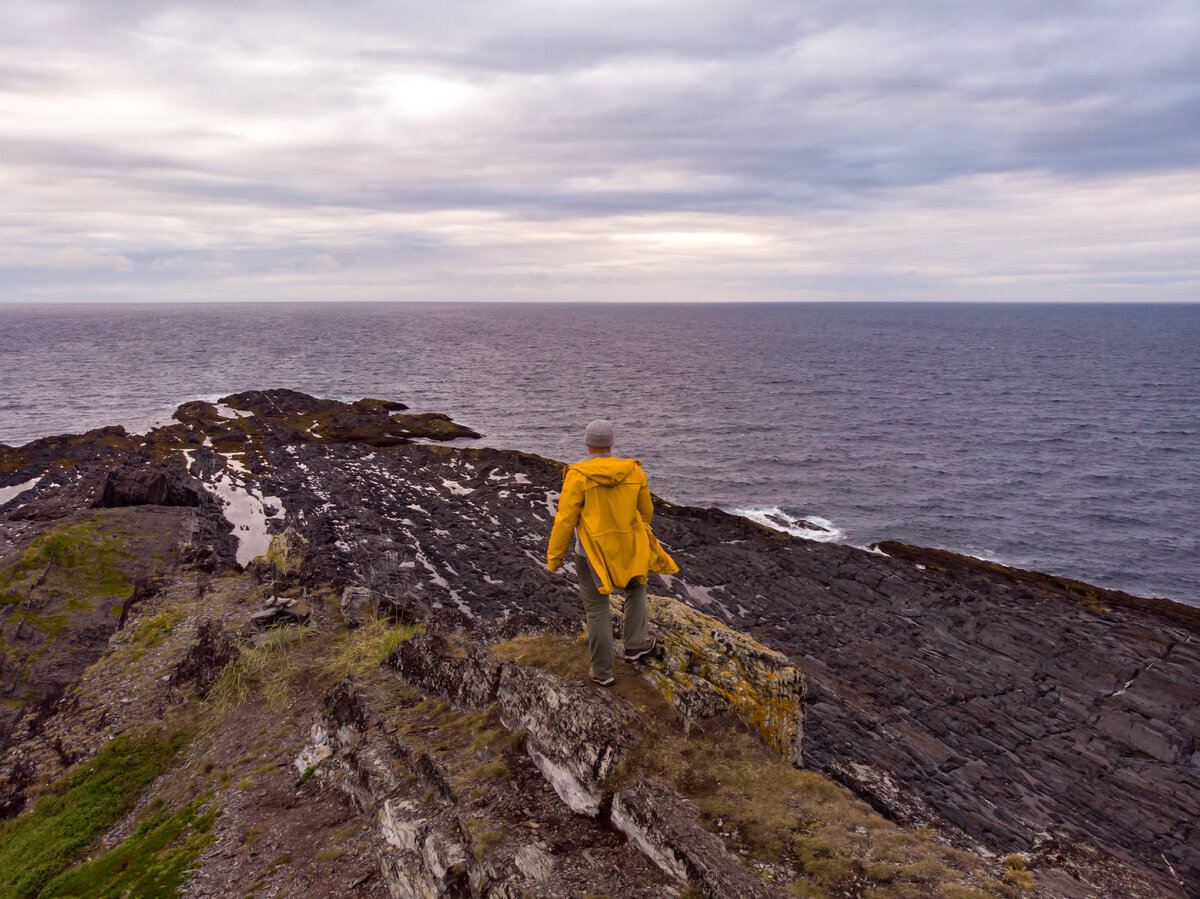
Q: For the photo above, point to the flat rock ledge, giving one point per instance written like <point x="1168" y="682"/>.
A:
<point x="706" y="669"/>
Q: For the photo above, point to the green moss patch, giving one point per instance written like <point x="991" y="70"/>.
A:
<point x="80" y="808"/>
<point x="152" y="863"/>
<point x="86" y="558"/>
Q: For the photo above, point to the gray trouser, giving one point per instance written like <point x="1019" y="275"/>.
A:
<point x="599" y="619"/>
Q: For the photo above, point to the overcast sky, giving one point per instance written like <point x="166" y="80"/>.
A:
<point x="571" y="150"/>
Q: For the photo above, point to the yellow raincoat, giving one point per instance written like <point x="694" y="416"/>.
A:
<point x="607" y="501"/>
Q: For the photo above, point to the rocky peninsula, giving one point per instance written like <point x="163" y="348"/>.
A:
<point x="335" y="620"/>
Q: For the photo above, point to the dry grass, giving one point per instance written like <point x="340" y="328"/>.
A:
<point x="1016" y="871"/>
<point x="266" y="670"/>
<point x="361" y="651"/>
<point x="556" y="654"/>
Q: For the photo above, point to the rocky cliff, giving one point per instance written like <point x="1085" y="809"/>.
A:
<point x="1017" y="732"/>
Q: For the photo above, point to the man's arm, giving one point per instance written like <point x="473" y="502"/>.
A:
<point x="565" y="519"/>
<point x="645" y="505"/>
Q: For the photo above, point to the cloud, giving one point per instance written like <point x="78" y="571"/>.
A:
<point x="68" y="259"/>
<point x="703" y="150"/>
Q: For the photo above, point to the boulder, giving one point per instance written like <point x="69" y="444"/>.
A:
<point x="357" y="604"/>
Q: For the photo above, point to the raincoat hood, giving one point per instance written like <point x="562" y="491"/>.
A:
<point x="607" y="471"/>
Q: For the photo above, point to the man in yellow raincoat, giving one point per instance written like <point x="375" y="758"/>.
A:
<point x="606" y="504"/>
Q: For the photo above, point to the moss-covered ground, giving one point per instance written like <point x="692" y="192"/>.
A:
<point x="38" y="847"/>
<point x="82" y="558"/>
<point x="61" y="596"/>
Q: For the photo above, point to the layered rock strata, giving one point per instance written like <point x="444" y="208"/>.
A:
<point x="428" y="841"/>
<point x="580" y="739"/>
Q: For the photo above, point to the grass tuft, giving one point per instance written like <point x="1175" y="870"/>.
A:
<point x="364" y="649"/>
<point x="265" y="669"/>
<point x="1016" y="871"/>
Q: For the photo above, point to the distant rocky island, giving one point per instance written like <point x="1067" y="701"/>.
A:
<point x="293" y="646"/>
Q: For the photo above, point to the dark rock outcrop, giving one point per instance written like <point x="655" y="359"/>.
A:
<point x="705" y="669"/>
<point x="426" y="844"/>
<point x="299" y="416"/>
<point x="1011" y="704"/>
<point x="213" y="650"/>
<point x="466" y="676"/>
<point x="66" y="451"/>
<point x="136" y="483"/>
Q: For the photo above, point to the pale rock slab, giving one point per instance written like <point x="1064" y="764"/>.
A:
<point x="577" y="735"/>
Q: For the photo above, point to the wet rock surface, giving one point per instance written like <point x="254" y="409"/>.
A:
<point x="1010" y="704"/>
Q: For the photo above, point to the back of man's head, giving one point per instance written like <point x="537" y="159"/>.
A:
<point x="599" y="435"/>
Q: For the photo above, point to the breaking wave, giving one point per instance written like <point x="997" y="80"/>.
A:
<point x="811" y="527"/>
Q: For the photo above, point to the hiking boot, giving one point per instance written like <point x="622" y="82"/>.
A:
<point x="644" y="651"/>
<point x="606" y="682"/>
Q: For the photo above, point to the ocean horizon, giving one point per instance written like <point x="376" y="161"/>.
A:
<point x="1058" y="437"/>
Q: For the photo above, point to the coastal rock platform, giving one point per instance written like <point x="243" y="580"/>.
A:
<point x="1009" y="710"/>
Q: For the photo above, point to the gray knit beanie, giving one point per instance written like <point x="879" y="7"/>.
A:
<point x="599" y="433"/>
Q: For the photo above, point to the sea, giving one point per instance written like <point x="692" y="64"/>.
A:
<point x="1061" y="438"/>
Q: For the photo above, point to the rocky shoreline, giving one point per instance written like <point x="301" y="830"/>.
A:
<point x="1008" y="710"/>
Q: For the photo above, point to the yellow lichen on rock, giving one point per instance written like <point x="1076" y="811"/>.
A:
<point x="706" y="668"/>
<point x="286" y="552"/>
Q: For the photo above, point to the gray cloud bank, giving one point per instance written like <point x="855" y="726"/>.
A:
<point x="630" y="151"/>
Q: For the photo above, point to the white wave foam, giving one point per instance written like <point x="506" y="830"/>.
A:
<point x="811" y="527"/>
